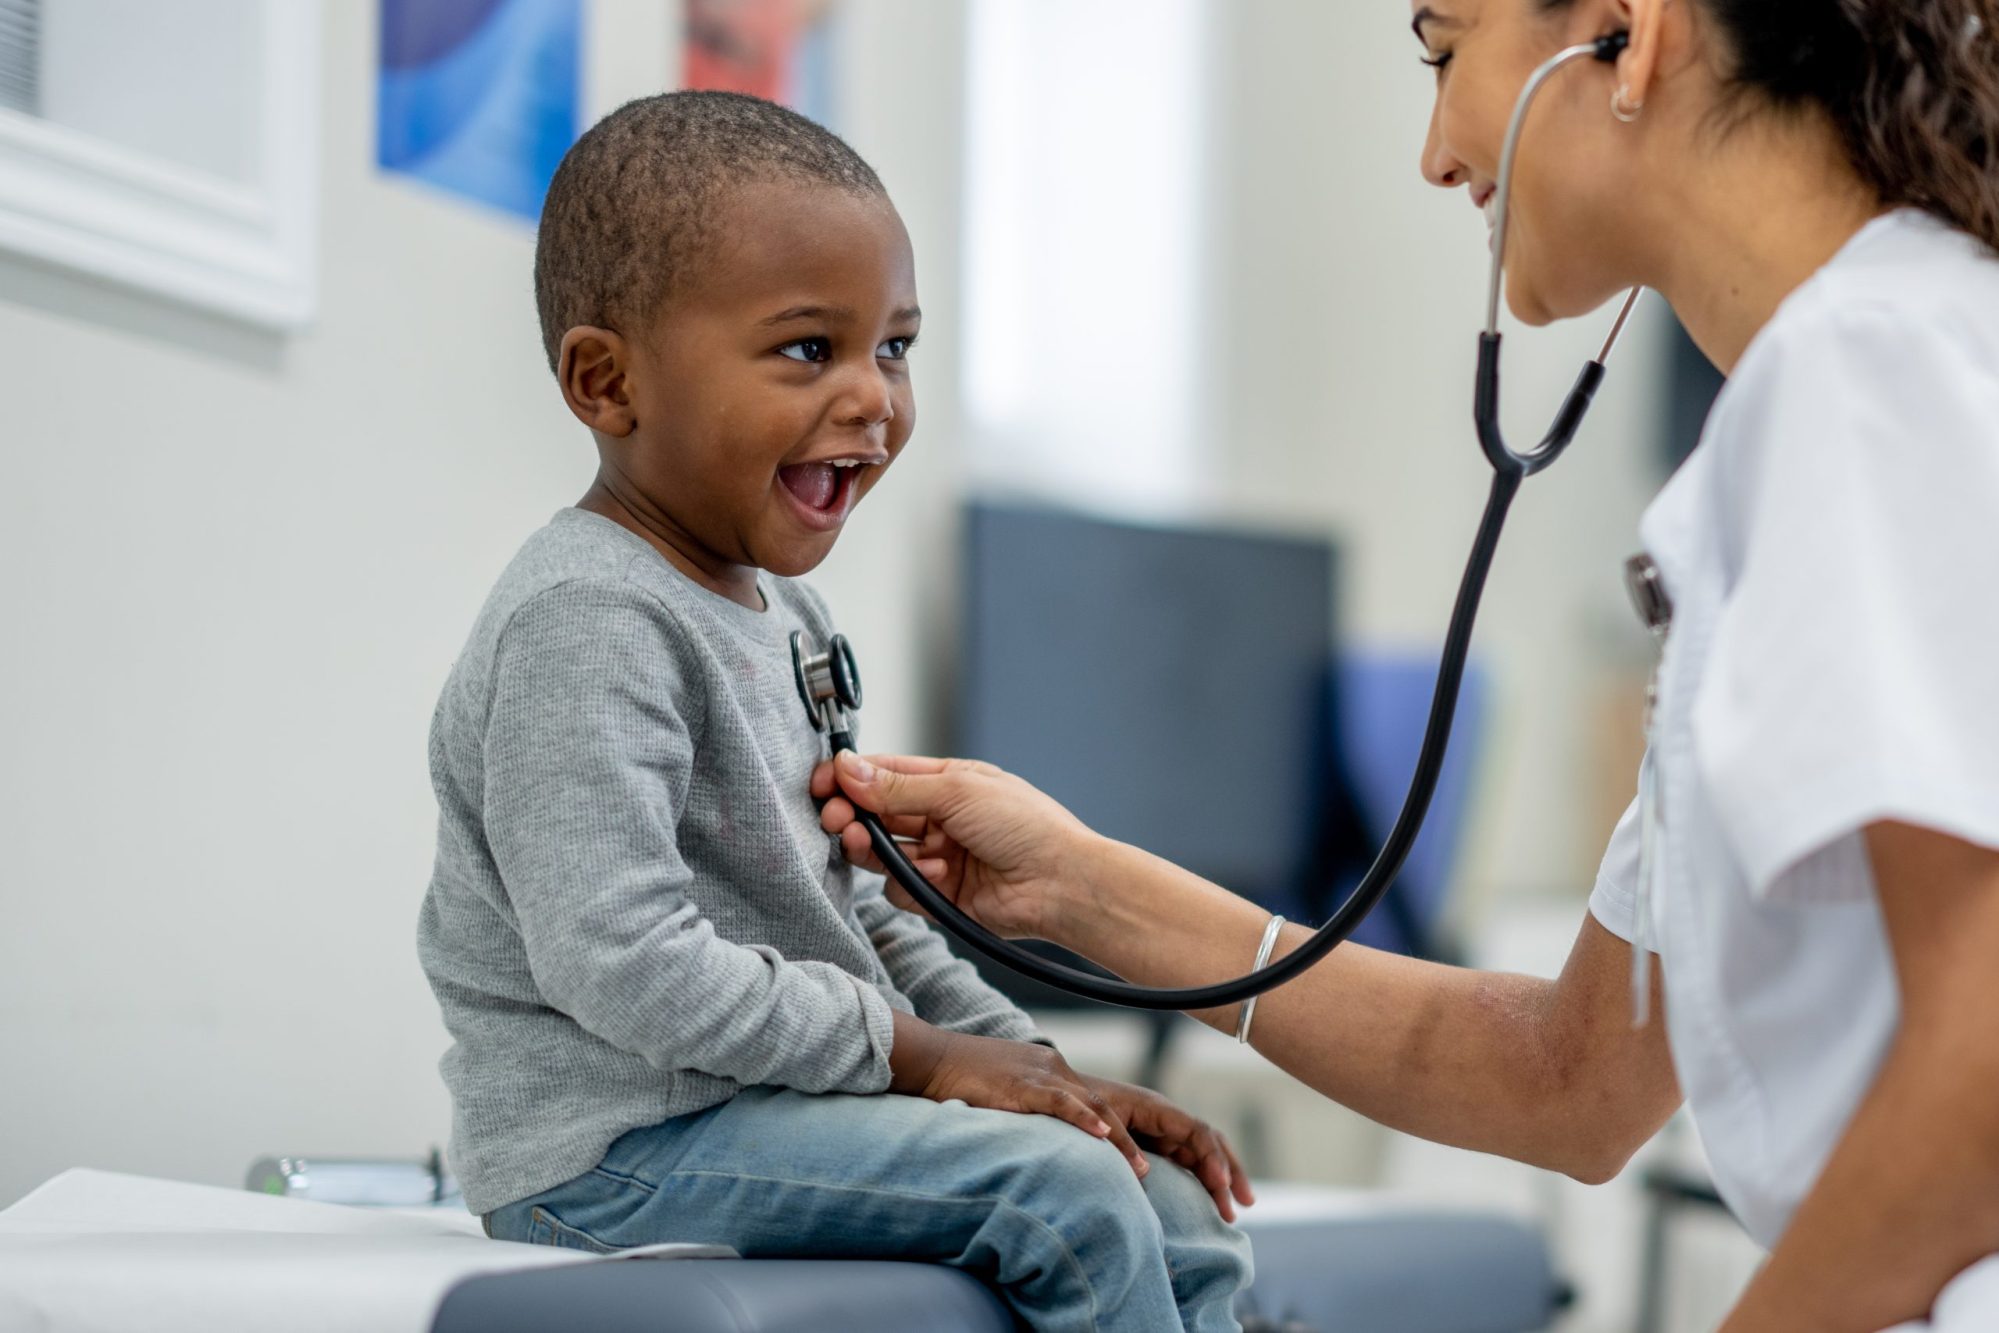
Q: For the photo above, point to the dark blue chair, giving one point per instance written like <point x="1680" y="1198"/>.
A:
<point x="1380" y="706"/>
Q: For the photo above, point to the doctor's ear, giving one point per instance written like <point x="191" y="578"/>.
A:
<point x="1659" y="37"/>
<point x="593" y="367"/>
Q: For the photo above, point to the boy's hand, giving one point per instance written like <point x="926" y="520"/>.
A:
<point x="927" y="1061"/>
<point x="1177" y="1136"/>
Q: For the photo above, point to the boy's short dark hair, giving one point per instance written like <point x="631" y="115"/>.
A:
<point x="633" y="201"/>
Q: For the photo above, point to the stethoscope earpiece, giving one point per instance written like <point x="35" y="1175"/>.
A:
<point x="1612" y="45"/>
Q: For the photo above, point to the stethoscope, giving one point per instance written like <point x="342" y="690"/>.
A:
<point x="829" y="682"/>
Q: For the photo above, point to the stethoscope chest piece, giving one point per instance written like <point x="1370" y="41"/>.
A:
<point x="829" y="683"/>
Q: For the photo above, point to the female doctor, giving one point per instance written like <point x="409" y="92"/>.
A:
<point x="1814" y="186"/>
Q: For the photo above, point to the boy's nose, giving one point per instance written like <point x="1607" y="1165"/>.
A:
<point x="868" y="400"/>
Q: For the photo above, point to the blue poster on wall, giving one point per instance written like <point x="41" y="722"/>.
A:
<point x="480" y="97"/>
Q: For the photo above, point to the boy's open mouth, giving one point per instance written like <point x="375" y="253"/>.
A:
<point x="823" y="487"/>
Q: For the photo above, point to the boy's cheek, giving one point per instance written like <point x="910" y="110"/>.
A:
<point x="899" y="435"/>
<point x="873" y="479"/>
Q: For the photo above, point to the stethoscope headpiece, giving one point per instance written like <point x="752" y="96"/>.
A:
<point x="1511" y="464"/>
<point x="829" y="683"/>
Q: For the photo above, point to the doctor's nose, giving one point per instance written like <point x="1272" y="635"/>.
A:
<point x="1440" y="167"/>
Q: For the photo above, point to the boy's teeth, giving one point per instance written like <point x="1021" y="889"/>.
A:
<point x="815" y="484"/>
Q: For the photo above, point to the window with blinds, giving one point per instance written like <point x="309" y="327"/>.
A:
<point x="20" y="55"/>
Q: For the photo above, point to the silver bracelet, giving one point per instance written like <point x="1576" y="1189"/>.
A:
<point x="1262" y="957"/>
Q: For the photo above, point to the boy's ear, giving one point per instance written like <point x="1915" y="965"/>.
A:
<point x="593" y="367"/>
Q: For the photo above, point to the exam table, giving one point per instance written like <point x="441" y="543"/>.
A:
<point x="1325" y="1259"/>
<point x="92" y="1250"/>
<point x="1338" y="1264"/>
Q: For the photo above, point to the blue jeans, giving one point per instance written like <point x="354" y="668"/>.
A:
<point x="1055" y="1220"/>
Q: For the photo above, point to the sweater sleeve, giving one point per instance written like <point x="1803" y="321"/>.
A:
<point x="589" y="746"/>
<point x="946" y="990"/>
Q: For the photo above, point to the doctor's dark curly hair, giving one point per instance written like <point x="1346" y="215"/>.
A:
<point x="1913" y="86"/>
<point x="634" y="201"/>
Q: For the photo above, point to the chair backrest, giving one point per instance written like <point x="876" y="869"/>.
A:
<point x="1381" y="705"/>
<point x="1165" y="682"/>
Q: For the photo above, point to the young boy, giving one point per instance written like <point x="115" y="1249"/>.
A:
<point x="679" y="1014"/>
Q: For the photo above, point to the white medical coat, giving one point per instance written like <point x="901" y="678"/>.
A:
<point x="1832" y="552"/>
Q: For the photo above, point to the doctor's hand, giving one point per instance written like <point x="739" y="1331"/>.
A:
<point x="1000" y="849"/>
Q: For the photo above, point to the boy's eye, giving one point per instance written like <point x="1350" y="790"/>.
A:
<point x="895" y="349"/>
<point x="808" y="349"/>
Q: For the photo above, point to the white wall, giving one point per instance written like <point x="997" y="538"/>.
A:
<point x="237" y="570"/>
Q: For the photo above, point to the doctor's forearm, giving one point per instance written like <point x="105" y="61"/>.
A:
<point x="1545" y="1072"/>
<point x="1910" y="1197"/>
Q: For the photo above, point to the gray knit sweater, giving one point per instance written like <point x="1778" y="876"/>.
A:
<point x="634" y="912"/>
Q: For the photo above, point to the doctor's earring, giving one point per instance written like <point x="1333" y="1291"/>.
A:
<point x="1622" y="107"/>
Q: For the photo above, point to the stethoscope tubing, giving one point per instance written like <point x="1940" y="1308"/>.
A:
<point x="1387" y="863"/>
<point x="1510" y="469"/>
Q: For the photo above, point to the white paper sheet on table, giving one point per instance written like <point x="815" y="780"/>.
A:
<point x="100" y="1252"/>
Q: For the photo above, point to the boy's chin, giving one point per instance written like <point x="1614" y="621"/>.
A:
<point x="798" y="557"/>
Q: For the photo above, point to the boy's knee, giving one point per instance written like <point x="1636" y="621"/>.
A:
<point x="1197" y="1240"/>
<point x="1183" y="1203"/>
<point x="1066" y="1176"/>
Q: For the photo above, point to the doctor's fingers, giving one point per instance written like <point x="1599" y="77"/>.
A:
<point x="899" y="896"/>
<point x="943" y="874"/>
<point x="858" y="848"/>
<point x="858" y="843"/>
<point x="926" y="764"/>
<point x="927" y="855"/>
<point x="826" y="776"/>
<point x="902" y="785"/>
<point x="838" y="815"/>
<point x="822" y="783"/>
